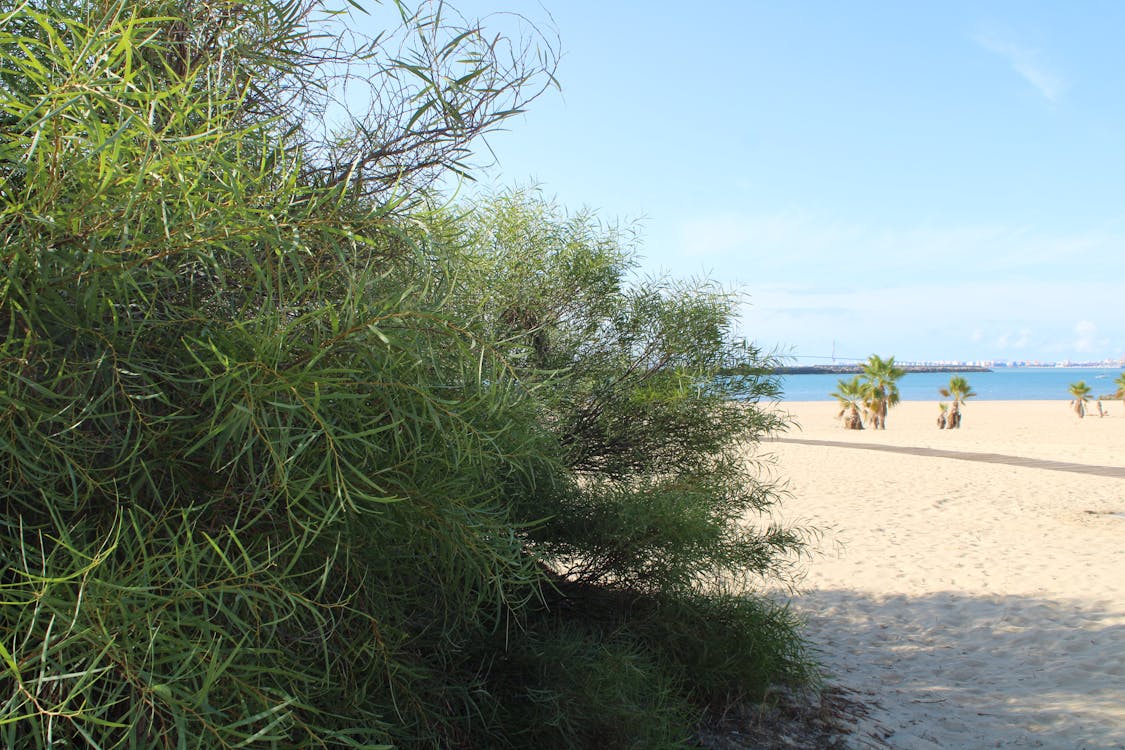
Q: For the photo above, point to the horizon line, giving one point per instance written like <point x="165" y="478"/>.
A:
<point x="980" y="362"/>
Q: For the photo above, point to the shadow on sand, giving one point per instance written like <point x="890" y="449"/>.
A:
<point x="950" y="670"/>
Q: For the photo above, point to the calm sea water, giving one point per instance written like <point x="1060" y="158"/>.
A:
<point x="1004" y="384"/>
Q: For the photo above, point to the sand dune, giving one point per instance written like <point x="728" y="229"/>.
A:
<point x="973" y="602"/>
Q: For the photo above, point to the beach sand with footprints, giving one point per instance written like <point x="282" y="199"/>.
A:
<point x="969" y="585"/>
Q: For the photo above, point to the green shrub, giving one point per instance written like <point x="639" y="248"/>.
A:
<point x="567" y="686"/>
<point x="258" y="486"/>
<point x="274" y="480"/>
<point x="668" y="528"/>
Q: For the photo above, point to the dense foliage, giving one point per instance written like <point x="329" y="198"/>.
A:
<point x="290" y="462"/>
<point x="627" y="378"/>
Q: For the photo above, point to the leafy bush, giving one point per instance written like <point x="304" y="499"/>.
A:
<point x="669" y="520"/>
<point x="628" y="378"/>
<point x="240" y="442"/>
<point x="272" y="479"/>
<point x="569" y="686"/>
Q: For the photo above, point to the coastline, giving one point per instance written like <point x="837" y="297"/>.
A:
<point x="857" y="369"/>
<point x="970" y="603"/>
<point x="1001" y="384"/>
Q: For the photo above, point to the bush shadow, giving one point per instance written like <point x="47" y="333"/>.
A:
<point x="949" y="669"/>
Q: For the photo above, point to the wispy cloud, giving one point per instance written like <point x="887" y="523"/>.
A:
<point x="1086" y="337"/>
<point x="1017" y="340"/>
<point x="973" y="291"/>
<point x="947" y="319"/>
<point x="1028" y="63"/>
<point x="791" y="247"/>
<point x="728" y="233"/>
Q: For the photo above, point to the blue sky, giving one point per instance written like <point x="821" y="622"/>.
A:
<point x="933" y="181"/>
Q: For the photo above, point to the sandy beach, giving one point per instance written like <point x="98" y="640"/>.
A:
<point x="969" y="585"/>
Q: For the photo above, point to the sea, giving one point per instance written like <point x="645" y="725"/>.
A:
<point x="1001" y="384"/>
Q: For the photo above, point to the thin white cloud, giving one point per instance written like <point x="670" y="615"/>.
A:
<point x="792" y="247"/>
<point x="1008" y="341"/>
<point x="923" y="292"/>
<point x="1028" y="63"/>
<point x="939" y="319"/>
<point x="1086" y="337"/>
<point x="716" y="235"/>
<point x="729" y="233"/>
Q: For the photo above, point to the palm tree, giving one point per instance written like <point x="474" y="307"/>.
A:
<point x="850" y="395"/>
<point x="880" y="388"/>
<point x="959" y="390"/>
<point x="1120" y="383"/>
<point x="1081" y="393"/>
<point x="941" y="420"/>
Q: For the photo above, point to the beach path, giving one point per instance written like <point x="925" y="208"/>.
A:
<point x="992" y="458"/>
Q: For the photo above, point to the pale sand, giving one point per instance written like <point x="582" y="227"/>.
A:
<point x="972" y="604"/>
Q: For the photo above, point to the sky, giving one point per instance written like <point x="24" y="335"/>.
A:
<point x="932" y="181"/>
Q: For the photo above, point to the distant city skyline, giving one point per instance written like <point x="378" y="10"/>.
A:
<point x="931" y="181"/>
<point x="810" y="361"/>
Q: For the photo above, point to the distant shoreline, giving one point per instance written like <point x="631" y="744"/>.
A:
<point x="858" y="369"/>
